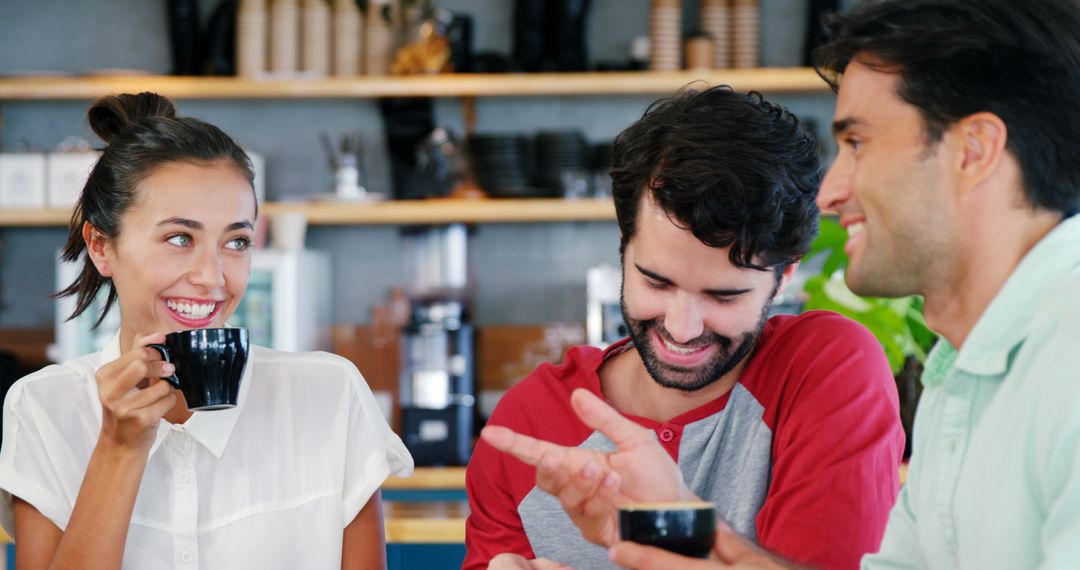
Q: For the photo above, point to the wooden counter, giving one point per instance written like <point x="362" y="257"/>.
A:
<point x="429" y="478"/>
<point x="425" y="522"/>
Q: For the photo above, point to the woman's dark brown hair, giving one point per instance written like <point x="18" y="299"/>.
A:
<point x="141" y="133"/>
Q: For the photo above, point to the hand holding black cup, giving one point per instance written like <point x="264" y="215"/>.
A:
<point x="687" y="528"/>
<point x="209" y="365"/>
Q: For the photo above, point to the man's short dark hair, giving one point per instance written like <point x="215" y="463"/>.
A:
<point x="1017" y="59"/>
<point x="732" y="168"/>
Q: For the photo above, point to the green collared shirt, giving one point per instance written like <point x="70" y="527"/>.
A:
<point x="994" y="480"/>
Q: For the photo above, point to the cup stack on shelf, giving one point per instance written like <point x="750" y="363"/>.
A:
<point x="348" y="38"/>
<point x="665" y="34"/>
<point x="287" y="37"/>
<point x="379" y="40"/>
<point x="284" y="36"/>
<point x="716" y="22"/>
<point x="251" y="38"/>
<point x="745" y="23"/>
<point x="315" y="49"/>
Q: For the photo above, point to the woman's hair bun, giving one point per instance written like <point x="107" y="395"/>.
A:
<point x="111" y="115"/>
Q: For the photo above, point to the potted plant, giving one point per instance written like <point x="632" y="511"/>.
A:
<point x="897" y="324"/>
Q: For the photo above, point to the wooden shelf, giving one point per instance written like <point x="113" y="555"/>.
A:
<point x="768" y="80"/>
<point x="13" y="217"/>
<point x="394" y="212"/>
<point x="391" y="212"/>
<point x="450" y="211"/>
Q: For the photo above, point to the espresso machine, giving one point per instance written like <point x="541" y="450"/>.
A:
<point x="437" y="390"/>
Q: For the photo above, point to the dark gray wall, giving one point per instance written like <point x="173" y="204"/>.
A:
<point x="524" y="273"/>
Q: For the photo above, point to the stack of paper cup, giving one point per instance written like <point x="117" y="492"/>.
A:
<point x="665" y="31"/>
<point x="315" y="51"/>
<point x="251" y="38"/>
<point x="348" y="38"/>
<point x="379" y="43"/>
<point x="284" y="36"/>
<point x="745" y="22"/>
<point x="716" y="22"/>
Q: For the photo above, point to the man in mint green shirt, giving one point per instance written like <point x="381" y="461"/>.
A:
<point x="957" y="177"/>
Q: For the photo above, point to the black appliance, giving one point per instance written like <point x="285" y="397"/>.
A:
<point x="437" y="392"/>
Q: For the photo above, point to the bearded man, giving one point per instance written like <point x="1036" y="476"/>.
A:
<point x="788" y="424"/>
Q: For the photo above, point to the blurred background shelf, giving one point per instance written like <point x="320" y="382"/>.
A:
<point x="767" y="80"/>
<point x="394" y="212"/>
<point x="391" y="212"/>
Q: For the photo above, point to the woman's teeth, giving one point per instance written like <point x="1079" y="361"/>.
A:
<point x="192" y="310"/>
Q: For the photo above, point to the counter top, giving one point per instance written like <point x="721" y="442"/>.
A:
<point x="425" y="522"/>
<point x="429" y="478"/>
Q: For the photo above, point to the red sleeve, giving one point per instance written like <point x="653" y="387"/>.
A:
<point x="539" y="406"/>
<point x="493" y="526"/>
<point x="837" y="445"/>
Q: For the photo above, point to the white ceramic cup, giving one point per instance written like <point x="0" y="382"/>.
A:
<point x="287" y="230"/>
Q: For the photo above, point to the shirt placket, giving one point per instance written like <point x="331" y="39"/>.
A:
<point x="185" y="501"/>
<point x="952" y="450"/>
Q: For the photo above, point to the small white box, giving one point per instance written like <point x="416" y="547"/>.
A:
<point x="22" y="180"/>
<point x="67" y="174"/>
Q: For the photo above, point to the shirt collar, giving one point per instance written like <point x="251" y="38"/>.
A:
<point x="211" y="428"/>
<point x="1007" y="320"/>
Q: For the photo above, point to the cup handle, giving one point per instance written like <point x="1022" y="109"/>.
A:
<point x="171" y="379"/>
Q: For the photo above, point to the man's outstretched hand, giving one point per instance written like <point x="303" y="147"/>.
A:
<point x="591" y="484"/>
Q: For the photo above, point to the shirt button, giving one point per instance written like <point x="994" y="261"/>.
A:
<point x="666" y="435"/>
<point x="186" y="557"/>
<point x="182" y="477"/>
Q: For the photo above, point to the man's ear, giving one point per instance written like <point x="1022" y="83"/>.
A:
<point x="785" y="277"/>
<point x="982" y="138"/>
<point x="97" y="248"/>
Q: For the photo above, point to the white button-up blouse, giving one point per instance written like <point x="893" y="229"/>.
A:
<point x="271" y="483"/>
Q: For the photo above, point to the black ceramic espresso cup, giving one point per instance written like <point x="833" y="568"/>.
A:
<point x="687" y="528"/>
<point x="209" y="365"/>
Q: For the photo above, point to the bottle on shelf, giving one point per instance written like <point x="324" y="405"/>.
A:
<point x="315" y="48"/>
<point x="284" y="36"/>
<point x="348" y="38"/>
<point x="251" y="38"/>
<point x="665" y="34"/>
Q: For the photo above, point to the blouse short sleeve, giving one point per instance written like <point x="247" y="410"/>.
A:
<point x="374" y="451"/>
<point x="38" y="462"/>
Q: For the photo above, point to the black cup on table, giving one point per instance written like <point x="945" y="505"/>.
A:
<point x="209" y="365"/>
<point x="687" y="528"/>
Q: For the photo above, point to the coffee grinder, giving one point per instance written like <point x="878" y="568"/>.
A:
<point x="437" y="389"/>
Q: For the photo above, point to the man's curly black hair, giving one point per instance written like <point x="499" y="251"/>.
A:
<point x="731" y="168"/>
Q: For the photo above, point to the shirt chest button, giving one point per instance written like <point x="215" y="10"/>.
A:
<point x="186" y="557"/>
<point x="666" y="435"/>
<point x="182" y="477"/>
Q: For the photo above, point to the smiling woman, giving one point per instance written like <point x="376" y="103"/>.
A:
<point x="103" y="465"/>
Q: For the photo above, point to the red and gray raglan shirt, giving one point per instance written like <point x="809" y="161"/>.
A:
<point x="801" y="455"/>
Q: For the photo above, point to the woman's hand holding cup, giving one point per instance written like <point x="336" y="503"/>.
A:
<point x="133" y="398"/>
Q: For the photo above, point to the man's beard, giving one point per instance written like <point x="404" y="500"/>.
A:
<point x="728" y="354"/>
